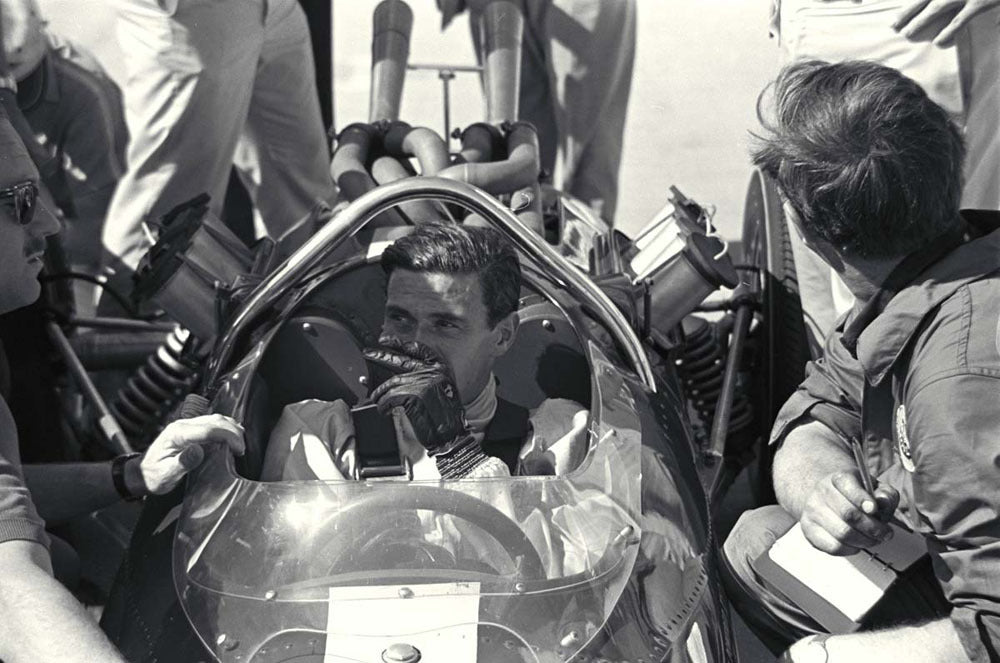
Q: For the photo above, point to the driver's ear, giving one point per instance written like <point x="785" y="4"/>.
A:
<point x="507" y="329"/>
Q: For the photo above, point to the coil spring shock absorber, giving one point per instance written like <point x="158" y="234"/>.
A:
<point x="156" y="387"/>
<point x="701" y="366"/>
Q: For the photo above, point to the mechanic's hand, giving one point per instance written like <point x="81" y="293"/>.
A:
<point x="425" y="389"/>
<point x="180" y="448"/>
<point x="945" y="17"/>
<point x="840" y="517"/>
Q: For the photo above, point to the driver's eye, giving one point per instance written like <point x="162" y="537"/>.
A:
<point x="398" y="319"/>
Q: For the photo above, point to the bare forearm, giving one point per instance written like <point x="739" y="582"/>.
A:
<point x="62" y="491"/>
<point x="933" y="642"/>
<point x="809" y="453"/>
<point x="41" y="620"/>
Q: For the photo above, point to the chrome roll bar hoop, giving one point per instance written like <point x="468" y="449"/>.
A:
<point x="362" y="210"/>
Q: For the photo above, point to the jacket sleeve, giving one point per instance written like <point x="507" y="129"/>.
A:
<point x="830" y="394"/>
<point x="92" y="142"/>
<point x="953" y="426"/>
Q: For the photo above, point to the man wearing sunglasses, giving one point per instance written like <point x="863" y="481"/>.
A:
<point x="41" y="621"/>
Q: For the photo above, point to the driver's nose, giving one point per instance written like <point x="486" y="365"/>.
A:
<point x="424" y="336"/>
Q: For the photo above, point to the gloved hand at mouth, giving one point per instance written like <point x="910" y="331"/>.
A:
<point x="424" y="388"/>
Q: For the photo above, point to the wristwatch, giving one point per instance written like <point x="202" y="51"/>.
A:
<point x="811" y="650"/>
<point x="118" y="477"/>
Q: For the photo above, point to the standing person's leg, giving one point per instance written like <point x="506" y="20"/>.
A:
<point x="283" y="156"/>
<point x="536" y="99"/>
<point x="190" y="70"/>
<point x="592" y="51"/>
<point x="837" y="30"/>
<point x="979" y="54"/>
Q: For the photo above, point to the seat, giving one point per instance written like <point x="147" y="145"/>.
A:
<point x="314" y="355"/>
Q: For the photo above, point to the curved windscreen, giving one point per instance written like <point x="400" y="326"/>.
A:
<point x="461" y="570"/>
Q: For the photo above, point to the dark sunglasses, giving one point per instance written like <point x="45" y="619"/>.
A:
<point x="25" y="196"/>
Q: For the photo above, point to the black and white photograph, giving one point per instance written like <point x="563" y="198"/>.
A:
<point x="499" y="331"/>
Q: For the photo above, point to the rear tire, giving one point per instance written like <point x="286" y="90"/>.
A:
<point x="781" y="345"/>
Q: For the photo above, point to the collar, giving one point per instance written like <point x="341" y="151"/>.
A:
<point x="883" y="327"/>
<point x="40" y="85"/>
<point x="480" y="411"/>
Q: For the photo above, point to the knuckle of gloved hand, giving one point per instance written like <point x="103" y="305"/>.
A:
<point x="375" y="354"/>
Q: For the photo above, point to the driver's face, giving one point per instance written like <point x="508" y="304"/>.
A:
<point x="446" y="313"/>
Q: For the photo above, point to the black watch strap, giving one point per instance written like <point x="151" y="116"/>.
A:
<point x="118" y="477"/>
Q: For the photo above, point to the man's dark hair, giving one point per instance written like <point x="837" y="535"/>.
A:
<point x="865" y="158"/>
<point x="450" y="248"/>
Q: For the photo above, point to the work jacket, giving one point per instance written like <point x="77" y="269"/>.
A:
<point x="921" y="388"/>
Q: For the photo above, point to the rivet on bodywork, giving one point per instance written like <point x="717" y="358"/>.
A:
<point x="227" y="643"/>
<point x="405" y="593"/>
<point x="571" y="639"/>
<point x="401" y="652"/>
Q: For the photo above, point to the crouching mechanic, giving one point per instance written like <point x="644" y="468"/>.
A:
<point x="870" y="172"/>
<point x="41" y="619"/>
<point x="451" y="312"/>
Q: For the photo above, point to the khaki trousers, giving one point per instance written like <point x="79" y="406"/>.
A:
<point x="211" y="84"/>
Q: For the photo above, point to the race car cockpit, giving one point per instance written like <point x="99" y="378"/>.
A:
<point x="510" y="568"/>
<point x="609" y="558"/>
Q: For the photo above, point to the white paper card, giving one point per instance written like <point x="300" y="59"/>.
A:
<point x="834" y="578"/>
<point x="441" y="620"/>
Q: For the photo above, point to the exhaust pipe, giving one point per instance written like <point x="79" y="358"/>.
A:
<point x="527" y="205"/>
<point x="391" y="30"/>
<point x="480" y="141"/>
<point x="501" y="30"/>
<point x="430" y="150"/>
<point x="355" y="146"/>
<point x="518" y="171"/>
<point x="387" y="169"/>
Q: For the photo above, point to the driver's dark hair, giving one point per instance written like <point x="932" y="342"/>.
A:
<point x="865" y="158"/>
<point x="451" y="248"/>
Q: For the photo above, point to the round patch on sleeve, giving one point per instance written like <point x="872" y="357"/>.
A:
<point x="903" y="440"/>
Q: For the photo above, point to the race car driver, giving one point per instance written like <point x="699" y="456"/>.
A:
<point x="871" y="172"/>
<point x="451" y="312"/>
